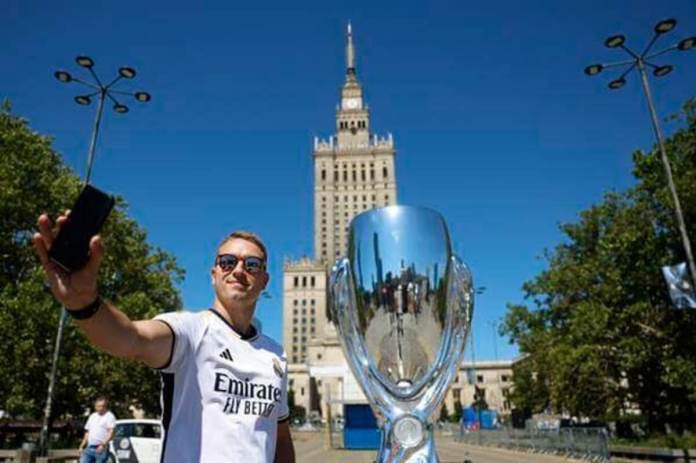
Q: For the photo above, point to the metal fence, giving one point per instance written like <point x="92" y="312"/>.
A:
<point x="586" y="443"/>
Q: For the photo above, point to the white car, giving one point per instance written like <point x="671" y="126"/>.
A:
<point x="136" y="441"/>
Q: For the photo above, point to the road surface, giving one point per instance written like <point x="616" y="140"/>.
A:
<point x="312" y="447"/>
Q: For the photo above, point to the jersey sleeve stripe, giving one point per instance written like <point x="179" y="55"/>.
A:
<point x="284" y="419"/>
<point x="171" y="350"/>
<point x="167" y="402"/>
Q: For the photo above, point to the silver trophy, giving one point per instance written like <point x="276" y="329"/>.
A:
<point x="403" y="304"/>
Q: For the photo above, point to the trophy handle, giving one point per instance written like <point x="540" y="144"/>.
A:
<point x="344" y="306"/>
<point x="460" y="309"/>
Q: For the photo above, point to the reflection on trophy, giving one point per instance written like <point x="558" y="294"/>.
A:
<point x="402" y="303"/>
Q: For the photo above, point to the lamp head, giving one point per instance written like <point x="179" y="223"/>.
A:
<point x="665" y="26"/>
<point x="593" y="69"/>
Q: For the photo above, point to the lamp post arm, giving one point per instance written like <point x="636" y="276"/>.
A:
<point x="662" y="52"/>
<point x="618" y="63"/>
<point x="121" y="92"/>
<point x="95" y="134"/>
<point x="668" y="173"/>
<point x="119" y="77"/>
<point x="94" y="74"/>
<point x="631" y="68"/>
<point x="650" y="44"/>
<point x="629" y="51"/>
<point x="80" y="81"/>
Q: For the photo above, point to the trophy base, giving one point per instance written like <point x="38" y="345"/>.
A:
<point x="408" y="450"/>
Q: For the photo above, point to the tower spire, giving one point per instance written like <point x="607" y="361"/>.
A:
<point x="350" y="51"/>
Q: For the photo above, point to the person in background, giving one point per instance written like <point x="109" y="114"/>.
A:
<point x="99" y="430"/>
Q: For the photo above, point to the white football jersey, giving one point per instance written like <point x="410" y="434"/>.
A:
<point x="222" y="395"/>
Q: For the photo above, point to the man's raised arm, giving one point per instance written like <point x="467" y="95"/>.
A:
<point x="106" y="327"/>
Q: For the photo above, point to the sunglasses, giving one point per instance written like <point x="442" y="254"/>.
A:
<point x="252" y="264"/>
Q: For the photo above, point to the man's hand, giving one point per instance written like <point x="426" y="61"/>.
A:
<point x="101" y="448"/>
<point x="74" y="290"/>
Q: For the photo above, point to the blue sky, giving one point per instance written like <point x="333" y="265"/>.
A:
<point x="495" y="124"/>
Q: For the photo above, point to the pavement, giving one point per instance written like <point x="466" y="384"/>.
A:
<point x="313" y="447"/>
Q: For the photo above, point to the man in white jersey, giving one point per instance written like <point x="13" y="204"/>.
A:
<point x="224" y="396"/>
<point x="99" y="430"/>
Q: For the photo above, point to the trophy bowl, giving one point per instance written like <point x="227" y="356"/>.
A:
<point x="403" y="304"/>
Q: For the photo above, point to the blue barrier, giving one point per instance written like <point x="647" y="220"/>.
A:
<point x="360" y="427"/>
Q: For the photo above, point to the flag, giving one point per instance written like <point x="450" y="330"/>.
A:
<point x="680" y="289"/>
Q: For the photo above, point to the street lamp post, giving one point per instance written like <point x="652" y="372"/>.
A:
<point x="477" y="400"/>
<point x="104" y="91"/>
<point x="641" y="62"/>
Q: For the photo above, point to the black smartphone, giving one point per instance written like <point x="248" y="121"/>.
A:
<point x="70" y="249"/>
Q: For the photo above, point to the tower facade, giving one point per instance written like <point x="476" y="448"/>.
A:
<point x="353" y="169"/>
<point x="353" y="172"/>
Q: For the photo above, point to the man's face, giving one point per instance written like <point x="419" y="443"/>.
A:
<point x="237" y="285"/>
<point x="100" y="406"/>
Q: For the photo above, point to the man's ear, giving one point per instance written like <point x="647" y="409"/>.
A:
<point x="268" y="278"/>
<point x="212" y="276"/>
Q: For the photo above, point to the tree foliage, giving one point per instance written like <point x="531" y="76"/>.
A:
<point x="138" y="277"/>
<point x="600" y="338"/>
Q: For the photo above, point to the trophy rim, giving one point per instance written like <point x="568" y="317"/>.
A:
<point x="394" y="207"/>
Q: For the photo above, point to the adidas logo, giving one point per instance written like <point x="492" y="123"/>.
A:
<point x="226" y="355"/>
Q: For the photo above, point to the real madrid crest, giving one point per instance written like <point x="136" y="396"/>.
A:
<point x="277" y="368"/>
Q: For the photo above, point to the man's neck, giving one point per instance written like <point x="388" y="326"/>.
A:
<point x="238" y="316"/>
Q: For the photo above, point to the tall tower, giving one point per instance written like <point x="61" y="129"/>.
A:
<point x="353" y="172"/>
<point x="353" y="169"/>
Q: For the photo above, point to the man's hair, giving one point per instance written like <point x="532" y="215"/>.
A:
<point x="247" y="236"/>
<point x="101" y="398"/>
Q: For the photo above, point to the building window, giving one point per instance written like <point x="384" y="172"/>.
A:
<point x="294" y="339"/>
<point x="312" y="282"/>
<point x="457" y="394"/>
<point x="345" y="175"/>
<point x="479" y="378"/>
<point x="318" y="356"/>
<point x="301" y="391"/>
<point x="304" y="283"/>
<point x="323" y="174"/>
<point x="335" y="176"/>
<point x="504" y="378"/>
<point x="304" y="301"/>
<point x="295" y="282"/>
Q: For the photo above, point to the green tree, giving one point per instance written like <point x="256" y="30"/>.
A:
<point x="602" y="339"/>
<point x="140" y="278"/>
